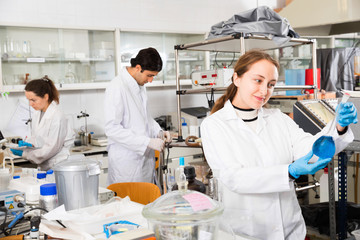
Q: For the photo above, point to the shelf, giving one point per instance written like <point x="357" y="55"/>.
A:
<point x="48" y="59"/>
<point x="169" y="83"/>
<point x="232" y="43"/>
<point x="223" y="89"/>
<point x="61" y="87"/>
<point x="238" y="43"/>
<point x="193" y="59"/>
<point x="97" y="85"/>
<point x="295" y="58"/>
<point x="224" y="59"/>
<point x="190" y="59"/>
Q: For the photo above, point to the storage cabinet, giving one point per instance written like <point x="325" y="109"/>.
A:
<point x="86" y="58"/>
<point x="236" y="45"/>
<point x="131" y="42"/>
<point x="67" y="56"/>
<point x="337" y="41"/>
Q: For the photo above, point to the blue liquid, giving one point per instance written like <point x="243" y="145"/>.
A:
<point x="324" y="147"/>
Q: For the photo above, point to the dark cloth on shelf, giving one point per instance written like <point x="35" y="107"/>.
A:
<point x="260" y="21"/>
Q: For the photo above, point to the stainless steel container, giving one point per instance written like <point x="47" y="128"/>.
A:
<point x="77" y="182"/>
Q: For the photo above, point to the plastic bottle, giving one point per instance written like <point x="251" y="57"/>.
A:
<point x="185" y="130"/>
<point x="5" y="177"/>
<point x="180" y="176"/>
<point x="324" y="185"/>
<point x="41" y="177"/>
<point x="50" y="176"/>
<point x="48" y="196"/>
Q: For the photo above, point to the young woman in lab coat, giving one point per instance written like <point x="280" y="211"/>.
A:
<point x="51" y="134"/>
<point x="256" y="152"/>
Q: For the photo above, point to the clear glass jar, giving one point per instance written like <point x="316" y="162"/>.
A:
<point x="184" y="215"/>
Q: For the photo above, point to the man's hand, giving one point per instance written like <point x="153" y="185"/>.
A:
<point x="156" y="144"/>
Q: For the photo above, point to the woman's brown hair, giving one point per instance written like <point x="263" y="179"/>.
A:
<point x="43" y="86"/>
<point x="242" y="65"/>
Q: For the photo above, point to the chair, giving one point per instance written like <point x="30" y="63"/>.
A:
<point x="140" y="192"/>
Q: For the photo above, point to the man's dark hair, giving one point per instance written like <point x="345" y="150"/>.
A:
<point x="149" y="59"/>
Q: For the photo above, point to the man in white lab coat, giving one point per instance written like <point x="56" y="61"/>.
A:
<point x="132" y="133"/>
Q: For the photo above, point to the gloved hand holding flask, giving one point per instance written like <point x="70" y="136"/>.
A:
<point x="302" y="167"/>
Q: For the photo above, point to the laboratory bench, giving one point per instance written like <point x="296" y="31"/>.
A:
<point x="176" y="150"/>
<point x="99" y="153"/>
<point x="85" y="150"/>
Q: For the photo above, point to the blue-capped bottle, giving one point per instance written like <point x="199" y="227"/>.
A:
<point x="185" y="129"/>
<point x="48" y="196"/>
<point x="180" y="176"/>
<point x="41" y="177"/>
<point x="50" y="176"/>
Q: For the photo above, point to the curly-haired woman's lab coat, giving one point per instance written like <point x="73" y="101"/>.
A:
<point x="52" y="137"/>
<point x="252" y="169"/>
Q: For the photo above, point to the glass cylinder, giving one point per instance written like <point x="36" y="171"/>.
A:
<point x="357" y="65"/>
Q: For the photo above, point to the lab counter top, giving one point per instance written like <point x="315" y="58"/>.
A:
<point x="176" y="149"/>
<point x="88" y="150"/>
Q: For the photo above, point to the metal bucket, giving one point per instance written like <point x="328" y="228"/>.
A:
<point x="77" y="182"/>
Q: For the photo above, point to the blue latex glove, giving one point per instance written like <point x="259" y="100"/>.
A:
<point x="346" y="114"/>
<point x="302" y="167"/>
<point x="22" y="144"/>
<point x="17" y="152"/>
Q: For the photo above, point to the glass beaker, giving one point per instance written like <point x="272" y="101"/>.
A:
<point x="70" y="76"/>
<point x="10" y="47"/>
<point x="170" y="179"/>
<point x="27" y="48"/>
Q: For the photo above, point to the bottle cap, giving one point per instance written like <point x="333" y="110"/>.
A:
<point x="181" y="161"/>
<point x="50" y="171"/>
<point x="48" y="189"/>
<point x="183" y="123"/>
<point x="189" y="172"/>
<point x="41" y="175"/>
<point x="16" y="177"/>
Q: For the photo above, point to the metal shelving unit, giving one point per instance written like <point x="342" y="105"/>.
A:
<point x="240" y="43"/>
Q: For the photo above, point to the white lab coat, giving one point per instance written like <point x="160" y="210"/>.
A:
<point x="53" y="136"/>
<point x="252" y="169"/>
<point x="129" y="128"/>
